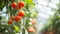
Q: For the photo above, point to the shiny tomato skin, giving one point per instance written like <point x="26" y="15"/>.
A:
<point x="20" y="4"/>
<point x="21" y="13"/>
<point x="17" y="18"/>
<point x="14" y="5"/>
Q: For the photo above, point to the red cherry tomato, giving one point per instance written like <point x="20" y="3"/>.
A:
<point x="13" y="17"/>
<point x="13" y="5"/>
<point x="10" y="21"/>
<point x="31" y="29"/>
<point x="20" y="4"/>
<point x="17" y="18"/>
<point x="21" y="13"/>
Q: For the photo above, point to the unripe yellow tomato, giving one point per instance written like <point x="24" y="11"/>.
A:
<point x="16" y="28"/>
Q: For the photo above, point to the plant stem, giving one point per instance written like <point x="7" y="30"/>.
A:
<point x="21" y="26"/>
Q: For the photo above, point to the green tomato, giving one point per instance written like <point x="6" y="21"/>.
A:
<point x="34" y="14"/>
<point x="16" y="28"/>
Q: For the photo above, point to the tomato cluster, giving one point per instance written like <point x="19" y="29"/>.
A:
<point x="31" y="29"/>
<point x="20" y="14"/>
<point x="18" y="5"/>
<point x="16" y="18"/>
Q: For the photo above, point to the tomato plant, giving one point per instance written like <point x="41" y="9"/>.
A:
<point x="17" y="11"/>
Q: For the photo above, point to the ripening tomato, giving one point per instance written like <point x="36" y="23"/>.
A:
<point x="33" y="21"/>
<point x="13" y="17"/>
<point x="31" y="29"/>
<point x="14" y="5"/>
<point x="21" y="13"/>
<point x="17" y="18"/>
<point x="20" y="4"/>
<point x="10" y="21"/>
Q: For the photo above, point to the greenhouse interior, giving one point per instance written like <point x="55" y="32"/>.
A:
<point x="29" y="16"/>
